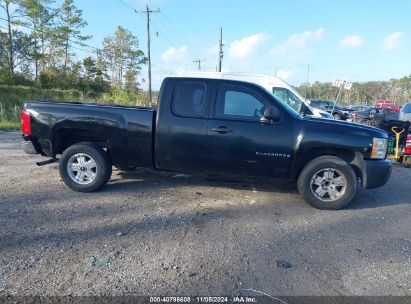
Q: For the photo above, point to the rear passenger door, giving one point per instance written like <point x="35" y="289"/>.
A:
<point x="181" y="133"/>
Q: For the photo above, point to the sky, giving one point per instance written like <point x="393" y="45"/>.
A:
<point x="351" y="40"/>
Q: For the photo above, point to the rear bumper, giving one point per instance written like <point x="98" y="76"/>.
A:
<point x="377" y="173"/>
<point x="29" y="148"/>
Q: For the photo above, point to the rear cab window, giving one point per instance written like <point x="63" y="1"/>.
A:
<point x="189" y="99"/>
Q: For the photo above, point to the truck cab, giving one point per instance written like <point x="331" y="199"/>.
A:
<point x="276" y="86"/>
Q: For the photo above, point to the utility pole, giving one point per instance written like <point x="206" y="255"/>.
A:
<point x="220" y="52"/>
<point x="308" y="81"/>
<point x="148" y="12"/>
<point x="198" y="61"/>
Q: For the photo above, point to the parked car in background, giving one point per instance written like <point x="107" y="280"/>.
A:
<point x="386" y="104"/>
<point x="405" y="113"/>
<point x="373" y="116"/>
<point x="359" y="108"/>
<point x="336" y="111"/>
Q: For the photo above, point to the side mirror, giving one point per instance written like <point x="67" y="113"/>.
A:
<point x="272" y="113"/>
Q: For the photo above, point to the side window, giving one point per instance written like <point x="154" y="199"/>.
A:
<point x="238" y="103"/>
<point x="189" y="99"/>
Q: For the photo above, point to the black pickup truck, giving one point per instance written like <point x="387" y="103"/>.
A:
<point x="210" y="126"/>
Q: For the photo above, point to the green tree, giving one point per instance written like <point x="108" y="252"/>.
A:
<point x="94" y="80"/>
<point x="3" y="58"/>
<point x="123" y="57"/>
<point x="12" y="11"/>
<point x="70" y="24"/>
<point x="39" y="17"/>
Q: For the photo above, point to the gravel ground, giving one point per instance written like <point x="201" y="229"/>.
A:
<point x="152" y="233"/>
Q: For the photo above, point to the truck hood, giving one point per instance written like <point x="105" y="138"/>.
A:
<point x="345" y="127"/>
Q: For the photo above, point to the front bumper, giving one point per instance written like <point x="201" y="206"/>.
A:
<point x="377" y="173"/>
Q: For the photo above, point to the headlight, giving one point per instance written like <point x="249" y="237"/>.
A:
<point x="379" y="148"/>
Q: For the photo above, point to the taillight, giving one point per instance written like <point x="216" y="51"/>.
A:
<point x="25" y="123"/>
<point x="408" y="145"/>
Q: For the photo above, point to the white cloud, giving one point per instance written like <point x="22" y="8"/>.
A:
<point x="299" y="42"/>
<point x="393" y="41"/>
<point x="175" y="56"/>
<point x="245" y="47"/>
<point x="351" y="42"/>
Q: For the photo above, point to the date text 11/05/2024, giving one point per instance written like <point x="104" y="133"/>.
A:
<point x="237" y="299"/>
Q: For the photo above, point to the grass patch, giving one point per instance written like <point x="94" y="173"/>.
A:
<point x="9" y="125"/>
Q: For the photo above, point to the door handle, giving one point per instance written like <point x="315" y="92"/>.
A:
<point x="221" y="130"/>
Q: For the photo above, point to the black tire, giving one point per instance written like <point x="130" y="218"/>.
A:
<point x="308" y="183"/>
<point x="102" y="167"/>
<point x="337" y="116"/>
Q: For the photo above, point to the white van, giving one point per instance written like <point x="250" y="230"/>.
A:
<point x="276" y="86"/>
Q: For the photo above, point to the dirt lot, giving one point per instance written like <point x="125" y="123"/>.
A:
<point x="152" y="233"/>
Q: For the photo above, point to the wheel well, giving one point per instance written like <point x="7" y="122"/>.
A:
<point x="65" y="138"/>
<point x="347" y="155"/>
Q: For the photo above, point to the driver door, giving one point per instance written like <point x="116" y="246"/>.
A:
<point x="239" y="141"/>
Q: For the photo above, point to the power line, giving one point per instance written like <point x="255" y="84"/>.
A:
<point x="170" y="27"/>
<point x="174" y="28"/>
<point x="126" y="4"/>
<point x="165" y="29"/>
<point x="152" y="22"/>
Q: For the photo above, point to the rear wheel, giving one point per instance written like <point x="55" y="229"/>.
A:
<point x="328" y="182"/>
<point x="85" y="167"/>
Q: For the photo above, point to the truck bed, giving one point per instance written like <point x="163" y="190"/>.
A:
<point x="127" y="131"/>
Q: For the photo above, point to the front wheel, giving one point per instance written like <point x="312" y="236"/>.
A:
<point x="85" y="167"/>
<point x="328" y="182"/>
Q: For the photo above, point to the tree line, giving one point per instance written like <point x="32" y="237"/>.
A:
<point x="38" y="45"/>
<point x="397" y="90"/>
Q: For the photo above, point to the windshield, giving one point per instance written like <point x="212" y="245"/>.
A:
<point x="288" y="98"/>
